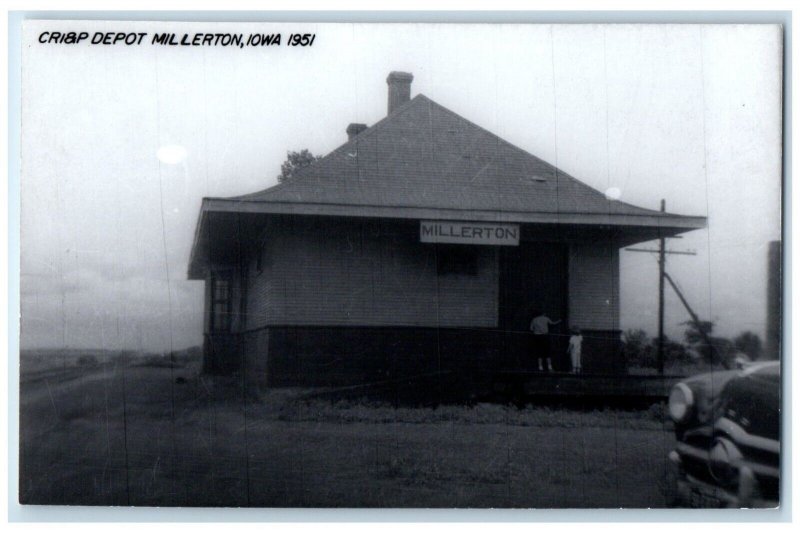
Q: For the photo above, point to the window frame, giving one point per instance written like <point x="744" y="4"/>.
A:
<point x="221" y="320"/>
<point x="457" y="260"/>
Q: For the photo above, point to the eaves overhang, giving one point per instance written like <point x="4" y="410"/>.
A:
<point x="660" y="224"/>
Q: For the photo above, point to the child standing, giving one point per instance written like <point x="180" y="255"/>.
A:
<point x="574" y="349"/>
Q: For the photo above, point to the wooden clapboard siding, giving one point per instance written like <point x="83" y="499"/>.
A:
<point x="357" y="273"/>
<point x="363" y="273"/>
<point x="594" y="286"/>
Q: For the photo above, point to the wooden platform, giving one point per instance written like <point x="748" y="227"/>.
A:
<point x="509" y="386"/>
<point x="531" y="384"/>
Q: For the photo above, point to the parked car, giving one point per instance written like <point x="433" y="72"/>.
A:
<point x="727" y="428"/>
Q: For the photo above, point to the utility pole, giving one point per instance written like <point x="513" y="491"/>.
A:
<point x="662" y="264"/>
<point x="696" y="319"/>
<point x="662" y="258"/>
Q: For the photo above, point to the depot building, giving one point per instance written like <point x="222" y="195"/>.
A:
<point x="423" y="244"/>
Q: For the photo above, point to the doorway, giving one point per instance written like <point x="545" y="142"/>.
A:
<point x="533" y="276"/>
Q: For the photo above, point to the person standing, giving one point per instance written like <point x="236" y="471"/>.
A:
<point x="574" y="349"/>
<point x="540" y="326"/>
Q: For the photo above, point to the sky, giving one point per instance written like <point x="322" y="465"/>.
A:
<point x="687" y="113"/>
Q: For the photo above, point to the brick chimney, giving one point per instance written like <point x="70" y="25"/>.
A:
<point x="354" y="129"/>
<point x="399" y="89"/>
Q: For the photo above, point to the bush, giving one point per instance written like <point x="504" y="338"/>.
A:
<point x="642" y="352"/>
<point x="676" y="352"/>
<point x="749" y="343"/>
<point x="638" y="349"/>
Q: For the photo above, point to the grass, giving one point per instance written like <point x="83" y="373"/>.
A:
<point x="483" y="413"/>
<point x="126" y="434"/>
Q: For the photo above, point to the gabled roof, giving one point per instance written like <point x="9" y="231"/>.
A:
<point x="425" y="161"/>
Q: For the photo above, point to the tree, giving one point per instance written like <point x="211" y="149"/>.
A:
<point x="713" y="350"/>
<point x="675" y="352"/>
<point x="697" y="331"/>
<point x="638" y="348"/>
<point x="642" y="351"/>
<point x="749" y="343"/>
<point x="294" y="162"/>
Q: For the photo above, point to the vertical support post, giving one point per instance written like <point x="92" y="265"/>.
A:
<point x="661" y="260"/>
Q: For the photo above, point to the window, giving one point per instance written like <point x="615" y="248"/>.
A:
<point x="220" y="303"/>
<point x="457" y="260"/>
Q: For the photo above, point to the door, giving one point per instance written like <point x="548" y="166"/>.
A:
<point x="533" y="276"/>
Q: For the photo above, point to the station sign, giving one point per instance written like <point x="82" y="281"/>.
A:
<point x="469" y="233"/>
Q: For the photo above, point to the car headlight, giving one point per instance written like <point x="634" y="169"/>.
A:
<point x="724" y="459"/>
<point x="681" y="402"/>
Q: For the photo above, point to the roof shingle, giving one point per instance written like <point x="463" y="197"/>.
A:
<point x="424" y="155"/>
